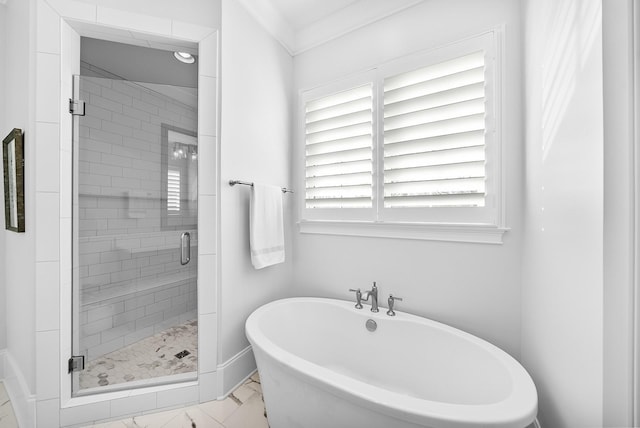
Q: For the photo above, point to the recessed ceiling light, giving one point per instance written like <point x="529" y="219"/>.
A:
<point x="185" y="57"/>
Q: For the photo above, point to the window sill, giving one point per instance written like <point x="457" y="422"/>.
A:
<point x="471" y="233"/>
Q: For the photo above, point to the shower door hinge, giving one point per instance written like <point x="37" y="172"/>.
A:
<point x="76" y="363"/>
<point x="76" y="107"/>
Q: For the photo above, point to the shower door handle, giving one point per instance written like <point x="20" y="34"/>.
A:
<point x="185" y="248"/>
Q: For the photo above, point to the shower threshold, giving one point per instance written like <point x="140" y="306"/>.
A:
<point x="150" y="361"/>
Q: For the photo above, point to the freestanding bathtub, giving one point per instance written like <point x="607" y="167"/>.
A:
<point x="320" y="367"/>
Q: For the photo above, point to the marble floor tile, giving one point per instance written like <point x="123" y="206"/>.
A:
<point x="152" y="420"/>
<point x="193" y="417"/>
<point x="249" y="415"/>
<point x="248" y="388"/>
<point x="243" y="393"/>
<point x="243" y="408"/>
<point x="7" y="416"/>
<point x="256" y="386"/>
<point x="220" y="410"/>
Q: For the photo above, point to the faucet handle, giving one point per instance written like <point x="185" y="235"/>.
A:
<point x="358" y="297"/>
<point x="391" y="301"/>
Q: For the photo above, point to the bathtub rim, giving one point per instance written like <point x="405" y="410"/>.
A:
<point x="518" y="409"/>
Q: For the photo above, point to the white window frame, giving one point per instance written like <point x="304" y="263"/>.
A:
<point x="458" y="224"/>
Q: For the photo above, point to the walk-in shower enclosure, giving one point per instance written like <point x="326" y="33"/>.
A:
<point x="135" y="231"/>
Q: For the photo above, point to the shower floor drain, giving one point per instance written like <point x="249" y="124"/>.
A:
<point x="180" y="355"/>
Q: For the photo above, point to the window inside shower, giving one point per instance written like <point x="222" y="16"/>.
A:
<point x="135" y="160"/>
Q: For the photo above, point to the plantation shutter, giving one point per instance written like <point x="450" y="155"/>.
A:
<point x="173" y="191"/>
<point x="434" y="135"/>
<point x="339" y="150"/>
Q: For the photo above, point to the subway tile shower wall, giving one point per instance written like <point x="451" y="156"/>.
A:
<point x="132" y="282"/>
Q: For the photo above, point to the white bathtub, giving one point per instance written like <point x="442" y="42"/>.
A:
<point x="321" y="368"/>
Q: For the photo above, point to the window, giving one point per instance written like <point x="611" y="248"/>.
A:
<point x="173" y="191"/>
<point x="434" y="135"/>
<point x="178" y="178"/>
<point x="414" y="142"/>
<point x="339" y="143"/>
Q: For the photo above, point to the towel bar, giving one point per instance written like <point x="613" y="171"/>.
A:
<point x="248" y="183"/>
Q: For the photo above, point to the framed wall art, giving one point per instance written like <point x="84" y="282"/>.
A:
<point x="13" y="166"/>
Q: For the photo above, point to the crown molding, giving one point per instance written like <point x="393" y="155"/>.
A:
<point x="272" y="20"/>
<point x="351" y="18"/>
<point x="347" y="20"/>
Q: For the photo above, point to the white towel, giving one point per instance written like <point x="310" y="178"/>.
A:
<point x="267" y="226"/>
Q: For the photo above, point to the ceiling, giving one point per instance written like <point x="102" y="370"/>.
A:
<point x="142" y="58"/>
<point x="137" y="63"/>
<point x="155" y="69"/>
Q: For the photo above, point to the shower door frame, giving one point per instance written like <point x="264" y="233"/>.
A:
<point x="635" y="43"/>
<point x="206" y="386"/>
<point x="163" y="231"/>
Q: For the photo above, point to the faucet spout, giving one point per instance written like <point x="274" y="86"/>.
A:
<point x="374" y="297"/>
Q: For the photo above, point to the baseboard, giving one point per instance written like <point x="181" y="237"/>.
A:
<point x="22" y="401"/>
<point x="234" y="371"/>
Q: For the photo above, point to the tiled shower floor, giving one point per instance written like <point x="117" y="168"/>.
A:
<point x="148" y="358"/>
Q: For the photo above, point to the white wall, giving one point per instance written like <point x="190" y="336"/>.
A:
<point x="19" y="248"/>
<point x="255" y="133"/>
<point x="4" y="127"/>
<point x="562" y="296"/>
<point x="471" y="286"/>
<point x="619" y="257"/>
<point x="201" y="12"/>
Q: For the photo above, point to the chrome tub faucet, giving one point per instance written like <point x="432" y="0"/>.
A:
<point x="374" y="297"/>
<point x="373" y="293"/>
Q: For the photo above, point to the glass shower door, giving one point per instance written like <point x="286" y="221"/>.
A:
<point x="135" y="236"/>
